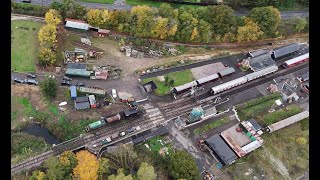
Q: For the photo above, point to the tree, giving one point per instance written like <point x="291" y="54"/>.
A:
<point x="68" y="161"/>
<point x="49" y="88"/>
<point x="54" y="170"/>
<point x="87" y="167"/>
<point x="142" y="20"/>
<point x="52" y="17"/>
<point x="47" y="35"/>
<point x="194" y="35"/>
<point x="69" y="9"/>
<point x="103" y="168"/>
<point x="205" y="32"/>
<point x="37" y="175"/>
<point x="124" y="157"/>
<point x="186" y="26"/>
<point x="229" y="37"/>
<point x="249" y="32"/>
<point x="222" y="19"/>
<point x="94" y="17"/>
<point x="146" y="172"/>
<point x="159" y="29"/>
<point x="268" y="19"/>
<point x="300" y="25"/>
<point x="183" y="166"/>
<point x="171" y="82"/>
<point x="46" y="56"/>
<point x="167" y="11"/>
<point x="120" y="176"/>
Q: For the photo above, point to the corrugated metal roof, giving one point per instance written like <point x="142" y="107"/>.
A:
<point x="92" y="90"/>
<point x="82" y="99"/>
<point x="258" y="52"/>
<point x="77" y="25"/>
<point x="227" y="71"/>
<point x="73" y="91"/>
<point x="78" y="72"/>
<point x="82" y="105"/>
<point x="185" y="86"/>
<point x="255" y="124"/>
<point x="251" y="146"/>
<point x="224" y="152"/>
<point x="285" y="50"/>
<point x="208" y="78"/>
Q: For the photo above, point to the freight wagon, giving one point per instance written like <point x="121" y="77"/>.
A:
<point x="113" y="118"/>
<point x="95" y="125"/>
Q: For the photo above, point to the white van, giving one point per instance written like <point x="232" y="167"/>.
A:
<point x="114" y="93"/>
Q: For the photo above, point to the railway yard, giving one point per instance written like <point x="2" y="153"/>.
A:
<point x="226" y="113"/>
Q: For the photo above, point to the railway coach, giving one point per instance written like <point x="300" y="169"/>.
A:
<point x="262" y="72"/>
<point x="207" y="79"/>
<point x="296" y="60"/>
<point x="184" y="87"/>
<point x="228" y="85"/>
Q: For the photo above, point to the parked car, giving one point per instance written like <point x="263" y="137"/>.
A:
<point x="31" y="75"/>
<point x="26" y="1"/>
<point x="106" y="141"/>
<point x="65" y="83"/>
<point x="114" y="93"/>
<point x="122" y="134"/>
<point x="31" y="82"/>
<point x="67" y="78"/>
<point x="79" y="83"/>
<point x="131" y="130"/>
<point x="17" y="80"/>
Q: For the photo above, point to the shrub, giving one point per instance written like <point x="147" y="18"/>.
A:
<point x="301" y="141"/>
<point x="29" y="9"/>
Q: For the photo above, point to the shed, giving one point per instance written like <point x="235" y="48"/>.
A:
<point x="227" y="71"/>
<point x="261" y="62"/>
<point x="76" y="66"/>
<point x="129" y="112"/>
<point x="284" y="50"/>
<point x="76" y="24"/>
<point x="221" y="150"/>
<point x="103" y="32"/>
<point x="258" y="52"/>
<point x="78" y="72"/>
<point x="255" y="124"/>
<point x="82" y="99"/>
<point x="82" y="105"/>
<point x="73" y="92"/>
<point x="150" y="86"/>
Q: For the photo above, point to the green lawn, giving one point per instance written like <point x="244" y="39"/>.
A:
<point x="24" y="45"/>
<point x="180" y="77"/>
<point x="155" y="145"/>
<point x="99" y="1"/>
<point x="211" y="126"/>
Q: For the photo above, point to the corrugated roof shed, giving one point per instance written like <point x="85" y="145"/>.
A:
<point x="227" y="71"/>
<point x="257" y="52"/>
<point x="82" y="99"/>
<point x="82" y="105"/>
<point x="78" y="72"/>
<point x="73" y="91"/>
<point x="221" y="149"/>
<point x="255" y="124"/>
<point x="285" y="50"/>
<point x="261" y="62"/>
<point x="77" y="24"/>
<point x="76" y="66"/>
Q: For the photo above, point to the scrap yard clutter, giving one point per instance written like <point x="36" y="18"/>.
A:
<point x="101" y="90"/>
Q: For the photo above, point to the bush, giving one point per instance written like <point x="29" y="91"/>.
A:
<point x="29" y="9"/>
<point x="20" y="142"/>
<point x="301" y="141"/>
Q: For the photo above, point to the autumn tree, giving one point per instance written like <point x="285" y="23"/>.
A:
<point x="103" y="170"/>
<point x="46" y="56"/>
<point x="205" y="32"/>
<point x="120" y="176"/>
<point x="146" y="172"/>
<point x="68" y="161"/>
<point x="69" y="9"/>
<point x="183" y="166"/>
<point x="87" y="167"/>
<point x="49" y="88"/>
<point x="229" y="37"/>
<point x="159" y="29"/>
<point x="186" y="27"/>
<point x="250" y="32"/>
<point x="98" y="18"/>
<point x="52" y="17"/>
<point x="268" y="19"/>
<point x="37" y="175"/>
<point x="167" y="11"/>
<point x="222" y="19"/>
<point x="54" y="169"/>
<point x="142" y="20"/>
<point x="300" y="25"/>
<point x="123" y="157"/>
<point x="47" y="35"/>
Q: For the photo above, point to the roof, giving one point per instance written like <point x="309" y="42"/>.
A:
<point x="78" y="72"/>
<point x="82" y="99"/>
<point x="208" y="78"/>
<point x="76" y="66"/>
<point x="77" y="24"/>
<point x="258" y="52"/>
<point x="227" y="71"/>
<point x="221" y="149"/>
<point x="255" y="124"/>
<point x="305" y="77"/>
<point x="185" y="86"/>
<point x="261" y="62"/>
<point x="124" y="95"/>
<point x="150" y="85"/>
<point x="92" y="90"/>
<point x="103" y="31"/>
<point x="82" y="105"/>
<point x="73" y="91"/>
<point x="74" y="20"/>
<point x="129" y="112"/>
<point x="285" y="50"/>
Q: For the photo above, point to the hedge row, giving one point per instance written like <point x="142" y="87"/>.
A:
<point x="30" y="9"/>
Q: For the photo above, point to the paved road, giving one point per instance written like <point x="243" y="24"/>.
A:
<point x="122" y="6"/>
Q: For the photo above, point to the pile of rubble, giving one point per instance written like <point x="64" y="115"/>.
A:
<point x="76" y="56"/>
<point x="147" y="52"/>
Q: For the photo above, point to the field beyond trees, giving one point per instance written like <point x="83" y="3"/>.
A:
<point x="24" y="45"/>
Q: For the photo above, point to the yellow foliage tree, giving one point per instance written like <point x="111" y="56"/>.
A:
<point x="52" y="17"/>
<point x="249" y="32"/>
<point x="160" y="28"/>
<point x="87" y="167"/>
<point x="41" y="175"/>
<point x="105" y="16"/>
<point x="94" y="17"/>
<point x="47" y="35"/>
<point x="46" y="56"/>
<point x="194" y="34"/>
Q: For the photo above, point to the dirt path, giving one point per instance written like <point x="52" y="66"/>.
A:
<point x="278" y="165"/>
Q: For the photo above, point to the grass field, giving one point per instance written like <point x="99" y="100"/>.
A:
<point x="99" y="1"/>
<point x="24" y="45"/>
<point x="180" y="77"/>
<point x="211" y="126"/>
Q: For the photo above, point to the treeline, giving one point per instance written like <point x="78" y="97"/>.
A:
<point x="260" y="3"/>
<point x="209" y="24"/>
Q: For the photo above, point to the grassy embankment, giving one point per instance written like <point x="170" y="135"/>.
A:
<point x="180" y="77"/>
<point x="24" y="45"/>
